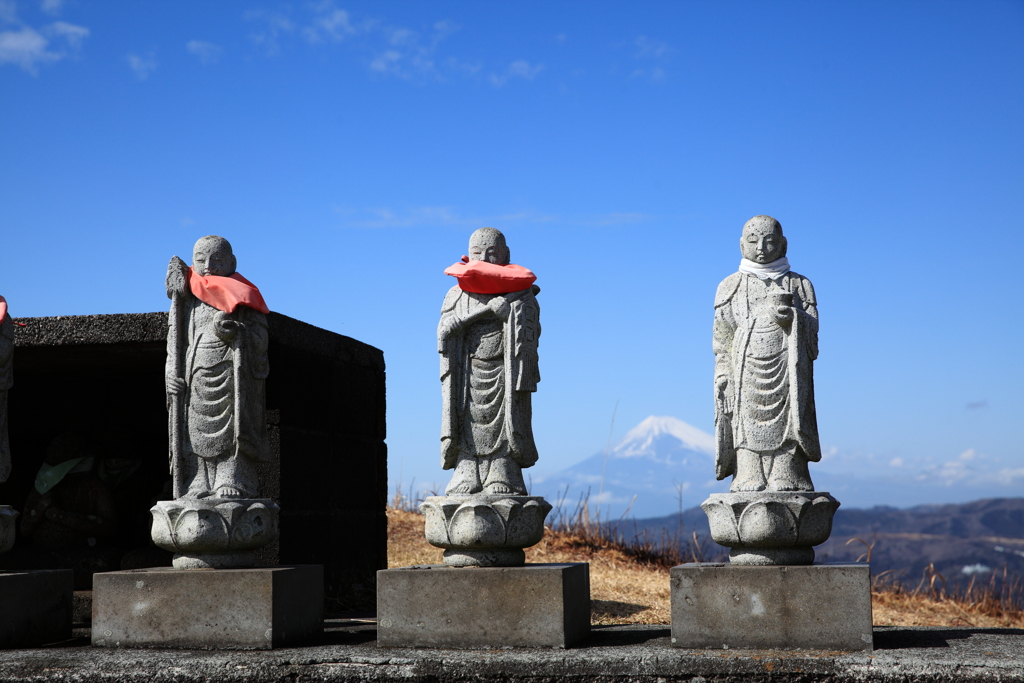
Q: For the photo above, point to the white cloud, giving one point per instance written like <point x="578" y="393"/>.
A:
<point x="402" y="36"/>
<point x="968" y="455"/>
<point x="386" y="61"/>
<point x="433" y="216"/>
<point x="273" y="26"/>
<point x="28" y="48"/>
<point x="208" y="53"/>
<point x="425" y="216"/>
<point x="52" y="6"/>
<point x="8" y="12"/>
<point x="69" y="32"/>
<point x="1010" y="475"/>
<point x="465" y="68"/>
<point x="517" y="69"/>
<point x="142" y="66"/>
<point x="388" y="50"/>
<point x="650" y="48"/>
<point x="896" y="462"/>
<point x="655" y="73"/>
<point x="970" y="468"/>
<point x="407" y="54"/>
<point x="330" y="24"/>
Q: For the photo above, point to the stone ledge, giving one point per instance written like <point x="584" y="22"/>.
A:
<point x="135" y="328"/>
<point x="348" y="652"/>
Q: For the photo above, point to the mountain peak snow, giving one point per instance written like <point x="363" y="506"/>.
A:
<point x="639" y="439"/>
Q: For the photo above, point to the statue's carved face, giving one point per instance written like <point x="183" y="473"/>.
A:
<point x="488" y="247"/>
<point x="762" y="243"/>
<point x="213" y="258"/>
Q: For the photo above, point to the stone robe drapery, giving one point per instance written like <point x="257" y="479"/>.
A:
<point x="488" y="371"/>
<point x="224" y="415"/>
<point x="769" y="400"/>
<point x="6" y="382"/>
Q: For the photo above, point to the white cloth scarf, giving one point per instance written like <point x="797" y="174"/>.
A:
<point x="766" y="271"/>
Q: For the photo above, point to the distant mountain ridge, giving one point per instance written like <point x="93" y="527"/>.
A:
<point x="962" y="541"/>
<point x="646" y="471"/>
<point x="665" y="464"/>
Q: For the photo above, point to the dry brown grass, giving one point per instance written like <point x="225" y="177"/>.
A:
<point x="993" y="604"/>
<point x="630" y="586"/>
<point x="895" y="608"/>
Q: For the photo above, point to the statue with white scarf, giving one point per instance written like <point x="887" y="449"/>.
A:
<point x="765" y="340"/>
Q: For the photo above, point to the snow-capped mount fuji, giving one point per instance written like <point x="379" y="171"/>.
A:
<point x="655" y="463"/>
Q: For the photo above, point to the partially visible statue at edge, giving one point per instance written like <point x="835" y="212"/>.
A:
<point x="488" y="344"/>
<point x="765" y="340"/>
<point x="215" y="374"/>
<point x="6" y="382"/>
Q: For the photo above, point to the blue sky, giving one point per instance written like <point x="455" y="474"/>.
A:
<point x="347" y="149"/>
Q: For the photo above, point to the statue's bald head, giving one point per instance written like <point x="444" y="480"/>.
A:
<point x="762" y="240"/>
<point x="212" y="255"/>
<point x="488" y="244"/>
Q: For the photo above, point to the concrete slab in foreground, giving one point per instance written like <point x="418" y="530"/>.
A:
<point x="536" y="605"/>
<point x="238" y="609"/>
<point x="611" y="654"/>
<point x="818" y="606"/>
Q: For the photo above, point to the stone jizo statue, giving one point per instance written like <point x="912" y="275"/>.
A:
<point x="215" y="373"/>
<point x="7" y="513"/>
<point x="6" y="382"/>
<point x="487" y="338"/>
<point x="215" y="376"/>
<point x="765" y="341"/>
<point x="488" y="346"/>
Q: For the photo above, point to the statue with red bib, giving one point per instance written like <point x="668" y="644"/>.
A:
<point x="215" y="375"/>
<point x="487" y="337"/>
<point x="223" y="370"/>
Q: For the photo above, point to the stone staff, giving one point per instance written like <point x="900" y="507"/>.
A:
<point x="176" y="288"/>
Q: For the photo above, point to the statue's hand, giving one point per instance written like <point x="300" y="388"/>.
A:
<point x="783" y="315"/>
<point x="175" y="385"/>
<point x="447" y="326"/>
<point x="226" y="329"/>
<point x="724" y="402"/>
<point x="499" y="306"/>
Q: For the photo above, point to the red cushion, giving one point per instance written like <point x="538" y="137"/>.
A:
<point x="482" y="277"/>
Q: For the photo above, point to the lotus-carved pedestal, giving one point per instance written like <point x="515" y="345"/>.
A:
<point x="766" y="528"/>
<point x="214" y="533"/>
<point x="8" y="515"/>
<point x="484" y="531"/>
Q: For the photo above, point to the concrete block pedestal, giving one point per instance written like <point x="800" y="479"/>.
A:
<point x="35" y="607"/>
<point x="233" y="609"/>
<point x="786" y="607"/>
<point x="535" y="605"/>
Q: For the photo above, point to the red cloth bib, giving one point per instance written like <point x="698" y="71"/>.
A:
<point x="482" y="277"/>
<point x="226" y="293"/>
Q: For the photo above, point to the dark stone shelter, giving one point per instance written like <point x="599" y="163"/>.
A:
<point x="102" y="377"/>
